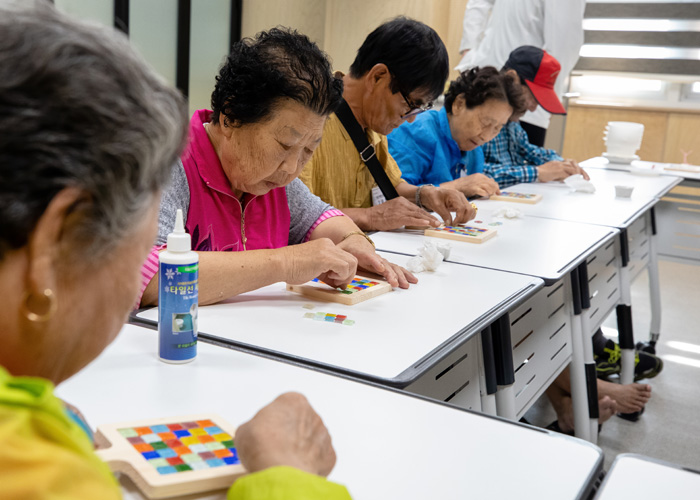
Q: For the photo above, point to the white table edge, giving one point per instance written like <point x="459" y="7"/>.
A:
<point x="644" y="458"/>
<point x="548" y="280"/>
<point x="402" y="379"/>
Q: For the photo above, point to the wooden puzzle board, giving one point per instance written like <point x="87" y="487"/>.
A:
<point x="517" y="197"/>
<point x="359" y="290"/>
<point x="471" y="234"/>
<point x="172" y="456"/>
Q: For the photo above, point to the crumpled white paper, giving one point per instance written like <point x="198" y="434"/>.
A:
<point x="429" y="257"/>
<point x="508" y="213"/>
<point x="577" y="183"/>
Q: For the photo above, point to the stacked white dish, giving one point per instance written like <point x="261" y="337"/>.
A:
<point x="622" y="140"/>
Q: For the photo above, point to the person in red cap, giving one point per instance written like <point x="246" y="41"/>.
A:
<point x="510" y="158"/>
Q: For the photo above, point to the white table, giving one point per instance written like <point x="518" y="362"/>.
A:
<point x="400" y="339"/>
<point x="389" y="445"/>
<point x="677" y="213"/>
<point x="634" y="216"/>
<point x="602" y="207"/>
<point x="643" y="478"/>
<point x="551" y="250"/>
<point x="677" y="169"/>
<point x="547" y="249"/>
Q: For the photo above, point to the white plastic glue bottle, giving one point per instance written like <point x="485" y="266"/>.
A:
<point x="178" y="295"/>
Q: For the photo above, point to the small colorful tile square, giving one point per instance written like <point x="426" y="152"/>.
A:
<point x="359" y="290"/>
<point x="470" y="234"/>
<point x="340" y="319"/>
<point x="517" y="197"/>
<point x="183" y="446"/>
<point x="176" y="456"/>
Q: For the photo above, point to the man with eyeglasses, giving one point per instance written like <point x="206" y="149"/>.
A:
<point x="399" y="70"/>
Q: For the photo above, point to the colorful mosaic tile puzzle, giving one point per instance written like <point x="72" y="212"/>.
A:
<point x="471" y="234"/>
<point x="172" y="448"/>
<point x="167" y="457"/>
<point x="517" y="197"/>
<point x="356" y="285"/>
<point x="330" y="318"/>
<point x="359" y="290"/>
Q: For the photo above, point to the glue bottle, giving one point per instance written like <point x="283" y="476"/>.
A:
<point x="178" y="292"/>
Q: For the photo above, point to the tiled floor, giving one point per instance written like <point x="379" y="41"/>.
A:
<point x="670" y="427"/>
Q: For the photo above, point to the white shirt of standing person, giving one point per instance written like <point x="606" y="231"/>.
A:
<point x="494" y="28"/>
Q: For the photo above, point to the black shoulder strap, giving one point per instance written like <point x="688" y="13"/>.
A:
<point x="366" y="150"/>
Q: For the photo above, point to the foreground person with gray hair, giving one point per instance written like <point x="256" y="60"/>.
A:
<point x="88" y="136"/>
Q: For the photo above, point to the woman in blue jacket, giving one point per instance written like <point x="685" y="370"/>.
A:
<point x="444" y="147"/>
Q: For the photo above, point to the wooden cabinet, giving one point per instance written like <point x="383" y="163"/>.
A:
<point x="682" y="134"/>
<point x="585" y="126"/>
<point x="678" y="221"/>
<point x="666" y="131"/>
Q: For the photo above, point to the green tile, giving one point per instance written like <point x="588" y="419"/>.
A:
<point x="191" y="458"/>
<point x="159" y="462"/>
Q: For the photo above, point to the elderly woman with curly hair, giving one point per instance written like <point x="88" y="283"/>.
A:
<point x="250" y="217"/>
<point x="88" y="137"/>
<point x="444" y="147"/>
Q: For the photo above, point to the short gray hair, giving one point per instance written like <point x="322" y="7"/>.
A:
<point x="79" y="108"/>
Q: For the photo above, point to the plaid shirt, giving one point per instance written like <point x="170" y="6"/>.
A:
<point x="511" y="159"/>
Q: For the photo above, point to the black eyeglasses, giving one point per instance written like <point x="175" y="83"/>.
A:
<point x="413" y="108"/>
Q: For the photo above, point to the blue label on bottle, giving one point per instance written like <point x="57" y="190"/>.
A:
<point x="177" y="311"/>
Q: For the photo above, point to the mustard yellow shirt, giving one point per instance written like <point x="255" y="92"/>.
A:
<point x="337" y="174"/>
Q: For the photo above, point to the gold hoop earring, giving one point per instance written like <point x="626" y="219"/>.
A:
<point x="40" y="318"/>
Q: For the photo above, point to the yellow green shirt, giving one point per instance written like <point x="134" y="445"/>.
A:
<point x="337" y="174"/>
<point x="44" y="454"/>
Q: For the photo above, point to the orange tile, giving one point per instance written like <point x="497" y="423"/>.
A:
<point x="223" y="453"/>
<point x="181" y="450"/>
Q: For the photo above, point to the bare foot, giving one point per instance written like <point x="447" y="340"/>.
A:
<point x="606" y="408"/>
<point x="629" y="398"/>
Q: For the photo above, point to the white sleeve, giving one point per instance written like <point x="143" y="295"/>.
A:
<point x="476" y="15"/>
<point x="563" y="36"/>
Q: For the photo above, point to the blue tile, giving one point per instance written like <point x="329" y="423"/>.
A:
<point x="166" y="453"/>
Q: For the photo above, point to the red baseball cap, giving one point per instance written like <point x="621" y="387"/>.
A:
<point x="539" y="71"/>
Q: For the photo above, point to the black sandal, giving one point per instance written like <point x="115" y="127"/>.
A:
<point x="554" y="426"/>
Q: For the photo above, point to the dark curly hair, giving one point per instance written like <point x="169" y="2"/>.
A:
<point x="412" y="51"/>
<point x="478" y="85"/>
<point x="277" y="64"/>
